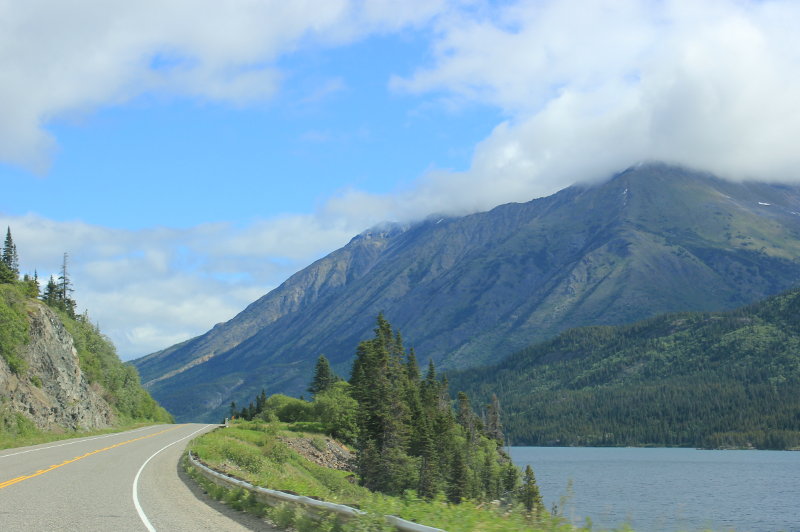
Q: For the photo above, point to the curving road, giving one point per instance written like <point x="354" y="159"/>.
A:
<point x="117" y="482"/>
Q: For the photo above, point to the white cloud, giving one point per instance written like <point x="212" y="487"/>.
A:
<point x="151" y="288"/>
<point x="593" y="87"/>
<point x="58" y="59"/>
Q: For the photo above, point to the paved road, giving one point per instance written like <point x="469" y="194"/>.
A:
<point x="116" y="482"/>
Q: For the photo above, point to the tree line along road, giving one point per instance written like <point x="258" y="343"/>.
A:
<point x="115" y="482"/>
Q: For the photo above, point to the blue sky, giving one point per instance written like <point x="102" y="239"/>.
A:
<point x="191" y="155"/>
<point x="179" y="162"/>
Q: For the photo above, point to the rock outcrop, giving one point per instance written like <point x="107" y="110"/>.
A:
<point x="324" y="451"/>
<point x="53" y="392"/>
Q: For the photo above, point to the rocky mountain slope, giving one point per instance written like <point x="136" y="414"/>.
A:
<point x="53" y="392"/>
<point x="61" y="374"/>
<point x="470" y="290"/>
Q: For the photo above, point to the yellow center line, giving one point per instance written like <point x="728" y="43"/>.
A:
<point x="12" y="481"/>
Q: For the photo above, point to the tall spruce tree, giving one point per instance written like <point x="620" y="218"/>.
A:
<point x="324" y="377"/>
<point x="10" y="257"/>
<point x="9" y="261"/>
<point x="51" y="294"/>
<point x="378" y="384"/>
<point x="529" y="492"/>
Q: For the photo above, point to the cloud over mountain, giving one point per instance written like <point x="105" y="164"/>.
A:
<point x="591" y="88"/>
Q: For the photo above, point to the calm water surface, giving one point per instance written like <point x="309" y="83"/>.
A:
<point x="670" y="489"/>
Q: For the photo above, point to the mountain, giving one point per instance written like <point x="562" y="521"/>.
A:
<point x="470" y="290"/>
<point x="60" y="374"/>
<point x="696" y="379"/>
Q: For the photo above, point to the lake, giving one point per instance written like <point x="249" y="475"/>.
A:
<point x="657" y="489"/>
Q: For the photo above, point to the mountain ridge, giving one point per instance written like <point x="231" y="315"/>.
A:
<point x="469" y="290"/>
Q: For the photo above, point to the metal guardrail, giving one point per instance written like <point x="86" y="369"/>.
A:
<point x="275" y="497"/>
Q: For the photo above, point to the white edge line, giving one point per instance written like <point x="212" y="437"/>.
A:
<point x="135" y="490"/>
<point x="78" y="440"/>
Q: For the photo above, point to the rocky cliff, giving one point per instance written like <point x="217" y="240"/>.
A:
<point x="52" y="392"/>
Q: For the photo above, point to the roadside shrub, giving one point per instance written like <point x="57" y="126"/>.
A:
<point x="337" y="410"/>
<point x="288" y="409"/>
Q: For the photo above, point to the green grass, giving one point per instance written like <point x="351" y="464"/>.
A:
<point x="18" y="431"/>
<point x="13" y="327"/>
<point x="252" y="451"/>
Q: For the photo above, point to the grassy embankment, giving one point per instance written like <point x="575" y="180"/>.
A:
<point x="17" y="431"/>
<point x="254" y="452"/>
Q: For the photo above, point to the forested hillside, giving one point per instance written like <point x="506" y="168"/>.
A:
<point x="714" y="380"/>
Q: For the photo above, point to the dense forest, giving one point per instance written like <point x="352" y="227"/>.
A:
<point x="712" y="380"/>
<point x="407" y="433"/>
<point x="119" y="383"/>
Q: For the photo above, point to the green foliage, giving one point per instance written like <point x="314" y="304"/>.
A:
<point x="30" y="286"/>
<point x="9" y="260"/>
<point x="694" y="379"/>
<point x="403" y="427"/>
<point x="16" y="430"/>
<point x="298" y="475"/>
<point x="324" y="377"/>
<point x="6" y="274"/>
<point x="410" y="438"/>
<point x="336" y="408"/>
<point x="529" y="494"/>
<point x="289" y="409"/>
<point x="333" y="411"/>
<point x="119" y="382"/>
<point x="14" y="426"/>
<point x="13" y="327"/>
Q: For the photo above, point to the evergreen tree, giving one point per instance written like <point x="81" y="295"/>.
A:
<point x="494" y="428"/>
<point x="10" y="257"/>
<point x="51" y="293"/>
<point x="261" y="401"/>
<point x="66" y="303"/>
<point x="458" y="486"/>
<point x="409" y="437"/>
<point x="529" y="492"/>
<point x="378" y="384"/>
<point x="6" y="275"/>
<point x="412" y="369"/>
<point x="466" y="417"/>
<point x="324" y="377"/>
<point x="430" y="482"/>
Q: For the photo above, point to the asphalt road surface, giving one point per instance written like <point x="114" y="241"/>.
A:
<point x="116" y="482"/>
